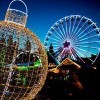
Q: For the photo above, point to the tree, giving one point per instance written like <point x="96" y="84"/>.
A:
<point x="10" y="50"/>
<point x="10" y="40"/>
<point x="28" y="46"/>
<point x="3" y="40"/>
<point x="2" y="50"/>
<point x="51" y="49"/>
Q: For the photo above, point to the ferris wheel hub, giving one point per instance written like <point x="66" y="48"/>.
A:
<point x="66" y="44"/>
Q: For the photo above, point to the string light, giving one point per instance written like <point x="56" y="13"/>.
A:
<point x="23" y="61"/>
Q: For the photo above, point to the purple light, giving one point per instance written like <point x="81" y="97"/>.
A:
<point x="66" y="44"/>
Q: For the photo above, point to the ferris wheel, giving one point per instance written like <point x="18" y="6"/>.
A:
<point x="75" y="37"/>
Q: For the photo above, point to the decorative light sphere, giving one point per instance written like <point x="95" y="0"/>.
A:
<point x="23" y="61"/>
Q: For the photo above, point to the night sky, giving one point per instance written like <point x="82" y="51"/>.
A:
<point x="42" y="14"/>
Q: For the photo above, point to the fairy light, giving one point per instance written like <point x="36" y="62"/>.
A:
<point x="19" y="47"/>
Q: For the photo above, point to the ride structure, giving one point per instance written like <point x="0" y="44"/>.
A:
<point x="75" y="37"/>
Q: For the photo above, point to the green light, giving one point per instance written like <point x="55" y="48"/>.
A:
<point x="26" y="68"/>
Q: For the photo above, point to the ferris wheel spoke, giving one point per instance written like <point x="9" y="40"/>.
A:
<point x="74" y="39"/>
<point x="77" y="55"/>
<point x="88" y="47"/>
<point x="95" y="59"/>
<point x="74" y="55"/>
<point x="57" y="42"/>
<point x="59" y="34"/>
<point x="80" y="29"/>
<point x="74" y="36"/>
<point x="64" y="30"/>
<point x="53" y="54"/>
<point x="70" y="25"/>
<point x="70" y="30"/>
<point x="88" y="38"/>
<point x="84" y="30"/>
<point x="82" y="43"/>
<point x="56" y="48"/>
<point x="85" y="55"/>
<point x="56" y="37"/>
<point x="78" y="25"/>
<point x="58" y="52"/>
<point x="73" y="25"/>
<point x="61" y="52"/>
<point x="85" y="50"/>
<point x="57" y="45"/>
<point x="86" y="33"/>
